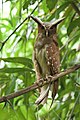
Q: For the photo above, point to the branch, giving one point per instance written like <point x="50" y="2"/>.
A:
<point x="39" y="84"/>
<point x="3" y="43"/>
<point x="70" y="116"/>
<point x="75" y="8"/>
<point x="67" y="42"/>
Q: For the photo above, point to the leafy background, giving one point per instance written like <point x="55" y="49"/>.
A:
<point x="16" y="67"/>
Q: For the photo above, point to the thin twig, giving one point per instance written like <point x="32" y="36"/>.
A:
<point x="74" y="107"/>
<point x="3" y="43"/>
<point x="68" y="42"/>
<point x="39" y="84"/>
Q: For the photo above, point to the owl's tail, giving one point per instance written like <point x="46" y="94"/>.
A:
<point x="54" y="91"/>
<point x="42" y="99"/>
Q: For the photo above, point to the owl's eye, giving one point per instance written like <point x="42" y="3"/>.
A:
<point x="42" y="27"/>
<point x="53" y="27"/>
<point x="50" y="32"/>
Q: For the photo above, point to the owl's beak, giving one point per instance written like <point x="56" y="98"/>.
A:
<point x="46" y="33"/>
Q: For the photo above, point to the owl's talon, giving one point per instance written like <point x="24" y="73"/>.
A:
<point x="40" y="82"/>
<point x="48" y="77"/>
<point x="45" y="79"/>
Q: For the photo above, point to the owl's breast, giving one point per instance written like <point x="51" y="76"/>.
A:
<point x="42" y="42"/>
<point x="41" y="58"/>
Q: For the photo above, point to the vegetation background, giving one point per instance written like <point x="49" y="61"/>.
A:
<point x="16" y="67"/>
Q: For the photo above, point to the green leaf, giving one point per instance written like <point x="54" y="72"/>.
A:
<point x="44" y="6"/>
<point x="20" y="114"/>
<point x="22" y="60"/>
<point x="8" y="20"/>
<point x="58" y="10"/>
<point x="4" y="78"/>
<point x="25" y="6"/>
<point x="27" y="3"/>
<point x="73" y="25"/>
<point x="15" y="70"/>
<point x="51" y="4"/>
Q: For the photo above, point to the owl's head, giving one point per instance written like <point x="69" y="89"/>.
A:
<point x="47" y="27"/>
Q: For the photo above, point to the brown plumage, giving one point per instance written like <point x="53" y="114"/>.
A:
<point x="46" y="57"/>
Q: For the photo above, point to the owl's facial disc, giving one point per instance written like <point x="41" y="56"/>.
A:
<point x="46" y="26"/>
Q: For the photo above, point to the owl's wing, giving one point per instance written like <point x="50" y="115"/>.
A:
<point x="53" y="58"/>
<point x="45" y="89"/>
<point x="53" y="61"/>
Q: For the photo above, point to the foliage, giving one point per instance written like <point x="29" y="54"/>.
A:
<point x="16" y="67"/>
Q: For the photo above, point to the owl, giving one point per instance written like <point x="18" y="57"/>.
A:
<point x="46" y="57"/>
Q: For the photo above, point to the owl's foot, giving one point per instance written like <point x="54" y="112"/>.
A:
<point x="39" y="83"/>
<point x="48" y="78"/>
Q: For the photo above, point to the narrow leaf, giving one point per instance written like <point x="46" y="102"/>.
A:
<point x="15" y="70"/>
<point x="73" y="25"/>
<point x="51" y="4"/>
<point x="21" y="60"/>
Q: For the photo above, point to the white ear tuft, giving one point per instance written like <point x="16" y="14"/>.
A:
<point x="37" y="20"/>
<point x="56" y="22"/>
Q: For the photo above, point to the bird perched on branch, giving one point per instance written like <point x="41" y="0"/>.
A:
<point x="46" y="57"/>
